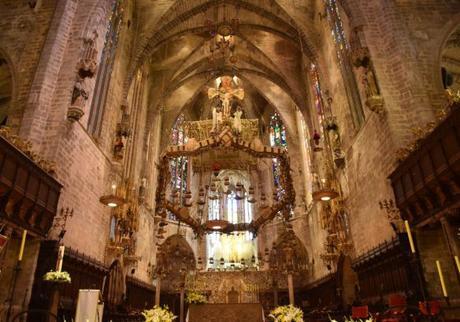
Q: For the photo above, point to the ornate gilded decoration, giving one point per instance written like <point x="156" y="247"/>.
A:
<point x="421" y="132"/>
<point x="27" y="148"/>
<point x="201" y="130"/>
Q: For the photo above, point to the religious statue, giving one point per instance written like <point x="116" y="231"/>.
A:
<point x="237" y="120"/>
<point x="78" y="101"/>
<point x="369" y="86"/>
<point x="369" y="81"/>
<point x="226" y="93"/>
<point x="216" y="118"/>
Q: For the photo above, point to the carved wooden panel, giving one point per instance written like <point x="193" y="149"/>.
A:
<point x="427" y="182"/>
<point x="28" y="195"/>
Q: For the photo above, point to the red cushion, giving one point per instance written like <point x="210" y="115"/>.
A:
<point x="397" y="300"/>
<point x="434" y="306"/>
<point x="358" y="312"/>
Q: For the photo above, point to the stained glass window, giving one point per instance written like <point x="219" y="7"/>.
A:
<point x="343" y="48"/>
<point x="179" y="165"/>
<point x="105" y="68"/>
<point x="277" y="139"/>
<point x="236" y="249"/>
<point x="318" y="95"/>
<point x="337" y="31"/>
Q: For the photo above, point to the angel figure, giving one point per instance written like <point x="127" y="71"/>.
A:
<point x="216" y="118"/>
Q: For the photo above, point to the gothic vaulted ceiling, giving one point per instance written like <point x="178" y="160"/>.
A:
<point x="269" y="49"/>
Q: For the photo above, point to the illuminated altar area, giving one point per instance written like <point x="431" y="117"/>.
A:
<point x="212" y="180"/>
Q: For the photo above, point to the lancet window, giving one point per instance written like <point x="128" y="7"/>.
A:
<point x="277" y="139"/>
<point x="343" y="55"/>
<point x="105" y="69"/>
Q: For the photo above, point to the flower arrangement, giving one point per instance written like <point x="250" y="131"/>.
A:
<point x="159" y="314"/>
<point x="57" y="277"/>
<point x="287" y="313"/>
<point x="194" y="297"/>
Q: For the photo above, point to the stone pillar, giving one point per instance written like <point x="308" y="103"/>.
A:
<point x="182" y="305"/>
<point x="158" y="291"/>
<point x="291" y="288"/>
<point x="305" y="157"/>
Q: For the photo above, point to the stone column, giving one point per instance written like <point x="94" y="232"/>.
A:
<point x="158" y="291"/>
<point x="182" y="305"/>
<point x="291" y="288"/>
<point x="305" y="156"/>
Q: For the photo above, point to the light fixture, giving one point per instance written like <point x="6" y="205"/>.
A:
<point x="112" y="201"/>
<point x="216" y="224"/>
<point x="324" y="195"/>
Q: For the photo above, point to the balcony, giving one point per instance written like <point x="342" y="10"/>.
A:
<point x="426" y="183"/>
<point x="28" y="194"/>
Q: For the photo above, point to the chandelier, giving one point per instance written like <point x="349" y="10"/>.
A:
<point x="219" y="200"/>
<point x="222" y="38"/>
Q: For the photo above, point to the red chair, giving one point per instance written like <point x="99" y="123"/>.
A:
<point x="434" y="308"/>
<point x="360" y="312"/>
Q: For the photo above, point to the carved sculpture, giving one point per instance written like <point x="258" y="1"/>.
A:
<point x="362" y="61"/>
<point x="237" y="127"/>
<point x="87" y="66"/>
<point x="78" y="101"/>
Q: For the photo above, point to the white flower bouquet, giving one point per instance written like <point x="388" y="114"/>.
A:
<point x="57" y="277"/>
<point x="159" y="314"/>
<point x="196" y="298"/>
<point x="287" y="313"/>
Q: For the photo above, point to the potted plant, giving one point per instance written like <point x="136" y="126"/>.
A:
<point x="287" y="313"/>
<point x="194" y="297"/>
<point x="57" y="277"/>
<point x="159" y="314"/>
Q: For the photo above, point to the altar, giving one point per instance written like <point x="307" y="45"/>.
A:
<point x="231" y="312"/>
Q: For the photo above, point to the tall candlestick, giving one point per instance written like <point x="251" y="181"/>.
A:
<point x="409" y="235"/>
<point x="60" y="258"/>
<point x="23" y="244"/>
<point x="457" y="261"/>
<point x="441" y="279"/>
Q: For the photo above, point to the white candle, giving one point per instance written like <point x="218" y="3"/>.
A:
<point x="441" y="279"/>
<point x="409" y="235"/>
<point x="23" y="244"/>
<point x="60" y="258"/>
<point x="457" y="262"/>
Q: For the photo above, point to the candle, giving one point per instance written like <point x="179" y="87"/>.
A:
<point x="409" y="235"/>
<point x="60" y="258"/>
<point x="457" y="261"/>
<point x="441" y="279"/>
<point x="23" y="243"/>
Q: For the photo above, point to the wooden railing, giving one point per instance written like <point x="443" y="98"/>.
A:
<point x="28" y="195"/>
<point x="86" y="273"/>
<point x="427" y="182"/>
